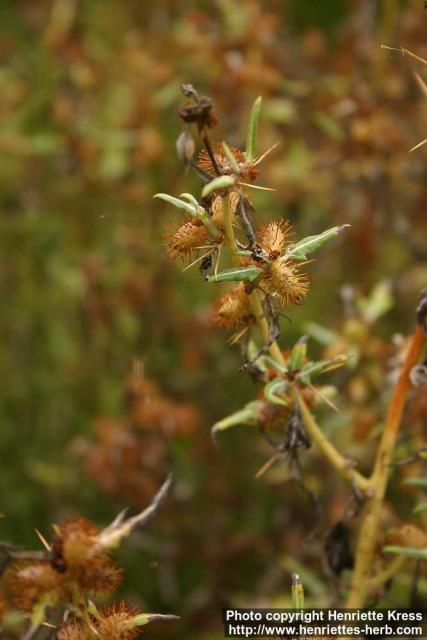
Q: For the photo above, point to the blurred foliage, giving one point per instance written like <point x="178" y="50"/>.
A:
<point x="88" y="98"/>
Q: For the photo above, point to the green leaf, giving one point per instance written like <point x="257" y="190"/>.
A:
<point x="320" y="333"/>
<point x="248" y="415"/>
<point x="142" y="619"/>
<point x="176" y="202"/>
<point x="303" y="248"/>
<point x="377" y="303"/>
<point x="190" y="198"/>
<point x="313" y="369"/>
<point x="275" y="365"/>
<point x="420" y="508"/>
<point x="221" y="182"/>
<point x="244" y="252"/>
<point x="408" y="552"/>
<point x="273" y="388"/>
<point x="327" y="391"/>
<point x="252" y="135"/>
<point x="231" y="159"/>
<point x="236" y="274"/>
<point x="298" y="355"/>
<point x="416" y="482"/>
<point x="252" y="352"/>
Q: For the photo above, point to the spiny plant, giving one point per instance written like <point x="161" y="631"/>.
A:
<point x="55" y="588"/>
<point x="217" y="231"/>
<point x="266" y="263"/>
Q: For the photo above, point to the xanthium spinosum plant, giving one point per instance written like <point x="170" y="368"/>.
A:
<point x="56" y="588"/>
<point x="264" y="263"/>
<point x="266" y="267"/>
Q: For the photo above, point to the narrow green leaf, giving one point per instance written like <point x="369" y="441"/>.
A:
<point x="144" y="618"/>
<point x="221" y="182"/>
<point x="408" y="552"/>
<point x="248" y="415"/>
<point x="252" y="135"/>
<point x="327" y="391"/>
<point x="231" y="159"/>
<point x="379" y="301"/>
<point x="304" y="247"/>
<point x="416" y="482"/>
<point x="176" y="202"/>
<point x="252" y="352"/>
<point x="298" y="355"/>
<point x="313" y="369"/>
<point x="273" y="388"/>
<point x="275" y="365"/>
<point x="320" y="333"/>
<point x="139" y="620"/>
<point x="190" y="198"/>
<point x="420" y="508"/>
<point x="237" y="274"/>
<point x="244" y="252"/>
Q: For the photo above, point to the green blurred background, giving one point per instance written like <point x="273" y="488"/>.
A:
<point x="88" y="97"/>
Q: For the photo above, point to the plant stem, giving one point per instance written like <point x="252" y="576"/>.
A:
<point x="368" y="532"/>
<point x="343" y="465"/>
<point x="255" y="296"/>
<point x="211" y="155"/>
<point x="394" y="566"/>
<point x="212" y="229"/>
<point x="229" y="231"/>
<point x="257" y="310"/>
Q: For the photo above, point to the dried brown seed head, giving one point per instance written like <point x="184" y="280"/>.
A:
<point x="73" y="543"/>
<point x="115" y="623"/>
<point x="31" y="582"/>
<point x="200" y="113"/>
<point x="186" y="239"/>
<point x="247" y="171"/>
<point x="73" y="630"/>
<point x="233" y="308"/>
<point x="100" y="575"/>
<point x="273" y="236"/>
<point x="77" y="556"/>
<point x="284" y="281"/>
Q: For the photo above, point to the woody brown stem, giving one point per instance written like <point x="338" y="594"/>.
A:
<point x="368" y="533"/>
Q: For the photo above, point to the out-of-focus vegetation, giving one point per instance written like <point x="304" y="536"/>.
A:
<point x="94" y="310"/>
